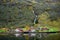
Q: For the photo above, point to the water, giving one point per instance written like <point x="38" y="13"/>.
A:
<point x="34" y="36"/>
<point x="27" y="36"/>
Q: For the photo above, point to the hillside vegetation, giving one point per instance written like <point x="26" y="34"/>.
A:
<point x="19" y="13"/>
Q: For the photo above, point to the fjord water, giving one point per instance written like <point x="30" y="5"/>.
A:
<point x="36" y="36"/>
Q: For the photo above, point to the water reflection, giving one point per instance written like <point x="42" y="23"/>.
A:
<point x="24" y="34"/>
<point x="38" y="35"/>
<point x="17" y="35"/>
<point x="30" y="36"/>
<point x="33" y="36"/>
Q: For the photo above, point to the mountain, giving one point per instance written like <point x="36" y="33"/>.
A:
<point x="22" y="12"/>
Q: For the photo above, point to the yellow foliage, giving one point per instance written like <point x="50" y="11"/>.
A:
<point x="35" y="25"/>
<point x="43" y="16"/>
<point x="30" y="8"/>
<point x="4" y="1"/>
<point x="43" y="19"/>
<point x="11" y="0"/>
<point x="54" y="23"/>
<point x="26" y="28"/>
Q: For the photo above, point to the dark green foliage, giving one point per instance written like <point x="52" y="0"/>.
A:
<point x="17" y="13"/>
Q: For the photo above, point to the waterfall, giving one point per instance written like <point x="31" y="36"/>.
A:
<point x="35" y="19"/>
<point x="36" y="16"/>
